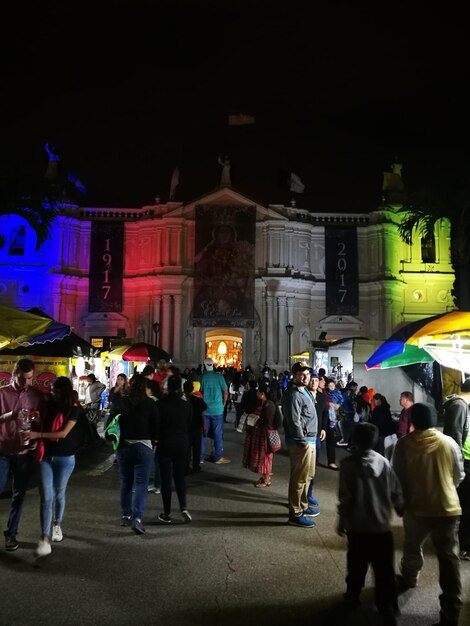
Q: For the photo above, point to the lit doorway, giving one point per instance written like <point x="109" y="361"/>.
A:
<point x="225" y="347"/>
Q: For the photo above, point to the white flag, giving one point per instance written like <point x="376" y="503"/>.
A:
<point x="296" y="185"/>
<point x="175" y="180"/>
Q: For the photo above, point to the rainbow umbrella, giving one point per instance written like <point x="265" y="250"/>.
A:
<point x="18" y="326"/>
<point x="423" y="341"/>
<point x="142" y="352"/>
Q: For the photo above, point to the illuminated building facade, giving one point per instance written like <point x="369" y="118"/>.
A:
<point x="344" y="275"/>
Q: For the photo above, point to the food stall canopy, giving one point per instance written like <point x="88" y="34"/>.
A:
<point x="17" y="325"/>
<point x="70" y="346"/>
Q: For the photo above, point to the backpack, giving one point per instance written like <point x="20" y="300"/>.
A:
<point x="84" y="431"/>
<point x="446" y="404"/>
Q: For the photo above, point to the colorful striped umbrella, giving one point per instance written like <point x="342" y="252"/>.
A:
<point x="423" y="341"/>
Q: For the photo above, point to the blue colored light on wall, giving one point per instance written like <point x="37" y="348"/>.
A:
<point x="25" y="277"/>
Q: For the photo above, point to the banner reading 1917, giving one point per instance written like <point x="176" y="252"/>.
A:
<point x="341" y="271"/>
<point x="106" y="266"/>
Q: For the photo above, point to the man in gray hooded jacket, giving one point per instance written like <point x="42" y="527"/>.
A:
<point x="300" y="428"/>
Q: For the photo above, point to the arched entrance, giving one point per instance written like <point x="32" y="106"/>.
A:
<point x="225" y="347"/>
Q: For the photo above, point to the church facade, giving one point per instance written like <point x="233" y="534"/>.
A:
<point x="163" y="274"/>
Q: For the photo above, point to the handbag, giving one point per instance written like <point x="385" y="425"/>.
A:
<point x="241" y="423"/>
<point x="252" y="419"/>
<point x="274" y="441"/>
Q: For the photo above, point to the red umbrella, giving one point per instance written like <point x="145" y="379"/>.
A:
<point x="139" y="352"/>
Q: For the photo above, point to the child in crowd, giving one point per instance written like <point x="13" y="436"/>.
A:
<point x="369" y="490"/>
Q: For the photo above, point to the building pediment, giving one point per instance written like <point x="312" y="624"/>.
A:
<point x="225" y="197"/>
<point x="339" y="326"/>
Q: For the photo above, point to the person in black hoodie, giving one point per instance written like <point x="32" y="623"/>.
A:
<point x="382" y="418"/>
<point x="176" y="423"/>
<point x="199" y="406"/>
<point x="138" y="421"/>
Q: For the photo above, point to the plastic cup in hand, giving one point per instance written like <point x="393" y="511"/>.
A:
<point x="24" y="423"/>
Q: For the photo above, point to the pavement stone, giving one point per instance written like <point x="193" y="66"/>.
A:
<point x="237" y="564"/>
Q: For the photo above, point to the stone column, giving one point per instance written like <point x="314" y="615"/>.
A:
<point x="282" y="340"/>
<point x="290" y="301"/>
<point x="165" y="329"/>
<point x="177" y="303"/>
<point x="269" y="329"/>
<point x="156" y="316"/>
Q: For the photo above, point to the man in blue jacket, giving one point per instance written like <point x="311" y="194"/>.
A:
<point x="300" y="428"/>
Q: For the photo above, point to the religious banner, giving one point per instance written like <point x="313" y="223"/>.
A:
<point x="341" y="271"/>
<point x="106" y="266"/>
<point x="224" y="266"/>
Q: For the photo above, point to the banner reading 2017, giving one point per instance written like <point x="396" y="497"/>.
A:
<point x="106" y="266"/>
<point x="341" y="271"/>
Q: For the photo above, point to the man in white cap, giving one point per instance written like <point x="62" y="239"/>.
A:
<point x="215" y="394"/>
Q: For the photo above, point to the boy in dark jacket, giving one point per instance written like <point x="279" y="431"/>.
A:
<point x="369" y="490"/>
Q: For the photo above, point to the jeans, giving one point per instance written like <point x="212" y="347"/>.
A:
<point x="215" y="428"/>
<point x="55" y="473"/>
<point x="20" y="466"/>
<point x="444" y="535"/>
<point x="135" y="465"/>
<point x="172" y="466"/>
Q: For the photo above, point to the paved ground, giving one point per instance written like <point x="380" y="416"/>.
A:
<point x="238" y="563"/>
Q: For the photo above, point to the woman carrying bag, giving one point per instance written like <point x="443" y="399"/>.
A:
<point x="258" y="452"/>
<point x="56" y="456"/>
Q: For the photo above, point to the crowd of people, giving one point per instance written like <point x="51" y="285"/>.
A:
<point x="166" y="424"/>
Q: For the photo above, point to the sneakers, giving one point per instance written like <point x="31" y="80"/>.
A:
<point x="312" y="500"/>
<point x="463" y="556"/>
<point x="138" y="527"/>
<point x="43" y="548"/>
<point x="302" y="521"/>
<point x="311" y="512"/>
<point x="166" y="519"/>
<point x="186" y="516"/>
<point x="11" y="543"/>
<point x="222" y="461"/>
<point x="341" y="442"/>
<point x="126" y="520"/>
<point x="57" y="533"/>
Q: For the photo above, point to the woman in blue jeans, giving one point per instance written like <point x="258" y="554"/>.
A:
<point x="56" y="453"/>
<point x="138" y="422"/>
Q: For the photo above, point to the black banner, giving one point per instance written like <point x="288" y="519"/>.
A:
<point x="224" y="266"/>
<point x="106" y="266"/>
<point x="341" y="271"/>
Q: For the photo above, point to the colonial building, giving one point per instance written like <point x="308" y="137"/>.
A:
<point x="224" y="276"/>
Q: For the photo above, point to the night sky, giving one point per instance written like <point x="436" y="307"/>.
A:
<point x="129" y="90"/>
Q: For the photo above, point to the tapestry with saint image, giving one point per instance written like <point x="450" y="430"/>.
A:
<point x="224" y="266"/>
